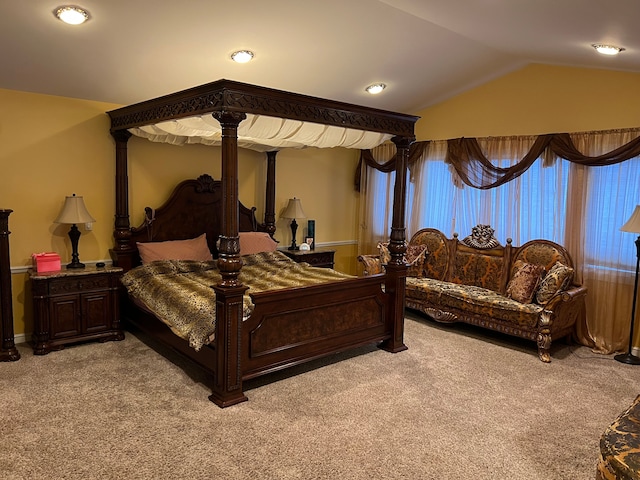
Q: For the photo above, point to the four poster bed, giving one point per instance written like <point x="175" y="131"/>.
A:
<point x="284" y="326"/>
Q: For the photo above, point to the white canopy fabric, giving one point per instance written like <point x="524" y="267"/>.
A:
<point x="260" y="133"/>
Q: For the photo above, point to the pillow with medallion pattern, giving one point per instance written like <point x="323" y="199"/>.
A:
<point x="558" y="277"/>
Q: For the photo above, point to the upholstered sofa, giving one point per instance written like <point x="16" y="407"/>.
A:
<point x="526" y="291"/>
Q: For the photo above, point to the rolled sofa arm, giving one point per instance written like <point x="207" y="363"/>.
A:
<point x="566" y="307"/>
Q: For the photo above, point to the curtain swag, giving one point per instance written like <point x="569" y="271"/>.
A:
<point x="416" y="150"/>
<point x="476" y="170"/>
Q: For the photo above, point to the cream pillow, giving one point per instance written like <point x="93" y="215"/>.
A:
<point x="192" y="249"/>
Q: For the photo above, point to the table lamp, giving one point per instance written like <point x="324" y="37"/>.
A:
<point x="293" y="211"/>
<point x="73" y="212"/>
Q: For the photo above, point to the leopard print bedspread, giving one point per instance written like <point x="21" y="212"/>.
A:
<point x="179" y="291"/>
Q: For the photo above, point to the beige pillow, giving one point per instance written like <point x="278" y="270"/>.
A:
<point x="192" y="249"/>
<point x="558" y="277"/>
<point x="256" y="242"/>
<point x="524" y="282"/>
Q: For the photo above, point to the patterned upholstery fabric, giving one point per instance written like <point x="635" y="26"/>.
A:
<point x="558" y="278"/>
<point x="437" y="261"/>
<point x="472" y="299"/>
<point x="540" y="252"/>
<point x="524" y="282"/>
<point x="415" y="258"/>
<point x="480" y="270"/>
<point x="372" y="264"/>
<point x="620" y="447"/>
<point x="385" y="254"/>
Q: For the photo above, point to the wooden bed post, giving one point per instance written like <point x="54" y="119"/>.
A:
<point x="227" y="385"/>
<point x="270" y="201"/>
<point x="122" y="254"/>
<point x="396" y="270"/>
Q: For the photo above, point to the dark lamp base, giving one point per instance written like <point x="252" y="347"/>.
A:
<point x="75" y="265"/>
<point x="628" y="358"/>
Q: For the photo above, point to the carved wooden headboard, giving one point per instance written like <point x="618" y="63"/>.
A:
<point x="193" y="208"/>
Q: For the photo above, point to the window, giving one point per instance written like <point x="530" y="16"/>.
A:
<point x="524" y="209"/>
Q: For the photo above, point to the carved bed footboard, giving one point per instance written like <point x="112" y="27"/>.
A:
<point x="292" y="326"/>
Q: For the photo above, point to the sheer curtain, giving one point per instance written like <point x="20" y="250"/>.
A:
<point x="578" y="206"/>
<point x="603" y="200"/>
<point x="442" y="201"/>
<point x="376" y="201"/>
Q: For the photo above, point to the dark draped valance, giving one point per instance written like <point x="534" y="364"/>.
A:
<point x="476" y="170"/>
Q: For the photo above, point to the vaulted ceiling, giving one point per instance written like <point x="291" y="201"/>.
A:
<point x="423" y="50"/>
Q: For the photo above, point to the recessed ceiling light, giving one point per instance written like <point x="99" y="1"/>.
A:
<point x="607" y="49"/>
<point x="242" y="56"/>
<point x="375" y="88"/>
<point x="71" y="15"/>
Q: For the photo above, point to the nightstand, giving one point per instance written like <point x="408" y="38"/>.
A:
<point x="319" y="257"/>
<point x="75" y="305"/>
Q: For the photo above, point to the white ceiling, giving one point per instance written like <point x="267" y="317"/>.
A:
<point x="424" y="50"/>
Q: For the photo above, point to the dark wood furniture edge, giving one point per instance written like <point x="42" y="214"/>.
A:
<point x="8" y="352"/>
<point x="232" y="96"/>
<point x="43" y="331"/>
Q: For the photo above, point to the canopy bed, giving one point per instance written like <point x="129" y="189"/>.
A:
<point x="286" y="326"/>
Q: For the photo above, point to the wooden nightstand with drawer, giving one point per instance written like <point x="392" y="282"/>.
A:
<point x="316" y="258"/>
<point x="75" y="305"/>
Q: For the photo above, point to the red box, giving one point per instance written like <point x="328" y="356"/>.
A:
<point x="46" y="262"/>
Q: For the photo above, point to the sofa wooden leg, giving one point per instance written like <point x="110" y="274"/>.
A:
<point x="544" y="344"/>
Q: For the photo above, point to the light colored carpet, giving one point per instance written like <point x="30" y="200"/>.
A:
<point x="459" y="404"/>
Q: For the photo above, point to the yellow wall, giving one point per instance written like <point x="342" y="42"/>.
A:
<point x="53" y="146"/>
<point x="537" y="99"/>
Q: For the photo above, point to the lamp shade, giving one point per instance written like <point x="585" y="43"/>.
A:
<point x="294" y="209"/>
<point x="74" y="211"/>
<point x="633" y="224"/>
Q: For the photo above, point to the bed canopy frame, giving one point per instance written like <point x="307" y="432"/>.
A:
<point x="230" y="103"/>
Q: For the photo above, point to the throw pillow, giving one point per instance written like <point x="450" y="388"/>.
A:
<point x="558" y="278"/>
<point x="192" y="249"/>
<point x="385" y="254"/>
<point x="524" y="282"/>
<point x="416" y="256"/>
<point x="256" y="242"/>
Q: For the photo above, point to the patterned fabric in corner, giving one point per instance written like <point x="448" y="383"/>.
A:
<point x="620" y="447"/>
